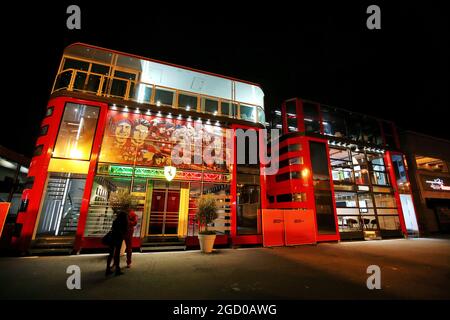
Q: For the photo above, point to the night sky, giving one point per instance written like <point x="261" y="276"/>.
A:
<point x="322" y="52"/>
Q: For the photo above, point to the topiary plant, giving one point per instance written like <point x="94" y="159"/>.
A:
<point x="206" y="212"/>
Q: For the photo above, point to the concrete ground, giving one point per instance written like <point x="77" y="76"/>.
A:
<point x="410" y="269"/>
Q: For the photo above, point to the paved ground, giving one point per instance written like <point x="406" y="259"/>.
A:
<point x="411" y="269"/>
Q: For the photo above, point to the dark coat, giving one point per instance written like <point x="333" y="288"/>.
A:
<point x="119" y="228"/>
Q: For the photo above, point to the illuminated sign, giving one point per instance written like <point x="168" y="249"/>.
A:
<point x="436" y="183"/>
<point x="160" y="173"/>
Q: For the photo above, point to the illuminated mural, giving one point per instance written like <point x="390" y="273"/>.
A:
<point x="145" y="140"/>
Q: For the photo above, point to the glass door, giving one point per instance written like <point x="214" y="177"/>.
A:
<point x="61" y="207"/>
<point x="164" y="213"/>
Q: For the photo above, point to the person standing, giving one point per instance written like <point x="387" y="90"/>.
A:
<point x="118" y="232"/>
<point x="132" y="222"/>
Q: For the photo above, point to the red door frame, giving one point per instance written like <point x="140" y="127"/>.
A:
<point x="323" y="237"/>
<point x="235" y="238"/>
<point x="388" y="158"/>
<point x="101" y="122"/>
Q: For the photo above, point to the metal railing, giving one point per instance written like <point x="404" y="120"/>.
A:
<point x="146" y="93"/>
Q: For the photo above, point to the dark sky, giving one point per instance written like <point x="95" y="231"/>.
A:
<point x="322" y="52"/>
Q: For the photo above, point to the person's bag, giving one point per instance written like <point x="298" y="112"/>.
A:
<point x="107" y="239"/>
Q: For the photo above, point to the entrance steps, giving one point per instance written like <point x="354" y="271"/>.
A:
<point x="155" y="244"/>
<point x="52" y="245"/>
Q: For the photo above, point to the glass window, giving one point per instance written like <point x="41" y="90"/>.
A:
<point x="43" y="131"/>
<point x="326" y="223"/>
<point x="248" y="112"/>
<point x="210" y="106"/>
<point x="291" y="161"/>
<point x="290" y="148"/>
<point x="75" y="64"/>
<point x="261" y="115"/>
<point x="100" y="215"/>
<point x="60" y="210"/>
<point x="385" y="200"/>
<point x="343" y="175"/>
<point x="225" y="108"/>
<point x="187" y="102"/>
<point x="379" y="178"/>
<point x="49" y="111"/>
<point x="248" y="209"/>
<point x="311" y="117"/>
<point x="388" y="131"/>
<point x="287" y="176"/>
<point x="369" y="222"/>
<point x="349" y="223"/>
<point x="371" y="132"/>
<point x="100" y="69"/>
<point x="333" y="122"/>
<point x="400" y="173"/>
<point x="431" y="164"/>
<point x="142" y="93"/>
<point x="76" y="132"/>
<point x="164" y="97"/>
<point x="346" y="199"/>
<point x="365" y="200"/>
<point x="38" y="150"/>
<point x="389" y="222"/>
<point x="63" y="80"/>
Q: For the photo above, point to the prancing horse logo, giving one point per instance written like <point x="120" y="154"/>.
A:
<point x="170" y="172"/>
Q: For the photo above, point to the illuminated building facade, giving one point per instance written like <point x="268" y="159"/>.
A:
<point x="111" y="123"/>
<point x="343" y="168"/>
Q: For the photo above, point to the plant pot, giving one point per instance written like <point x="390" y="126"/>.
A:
<point x="206" y="242"/>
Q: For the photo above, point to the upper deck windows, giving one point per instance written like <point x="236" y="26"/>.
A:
<point x="111" y="74"/>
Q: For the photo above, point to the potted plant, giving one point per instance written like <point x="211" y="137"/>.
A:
<point x="206" y="213"/>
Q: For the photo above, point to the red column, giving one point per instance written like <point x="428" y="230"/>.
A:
<point x="390" y="168"/>
<point x="91" y="174"/>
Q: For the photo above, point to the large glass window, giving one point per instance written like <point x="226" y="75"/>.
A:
<point x="323" y="198"/>
<point x="388" y="130"/>
<point x="400" y="173"/>
<point x="210" y="105"/>
<point x="61" y="206"/>
<point x="291" y="114"/>
<point x="333" y="122"/>
<point x="76" y="132"/>
<point x="311" y="117"/>
<point x="187" y="102"/>
<point x="164" y="97"/>
<point x="248" y="112"/>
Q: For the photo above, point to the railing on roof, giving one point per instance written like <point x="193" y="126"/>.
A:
<point x="146" y="93"/>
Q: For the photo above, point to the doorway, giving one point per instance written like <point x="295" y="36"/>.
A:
<point x="164" y="210"/>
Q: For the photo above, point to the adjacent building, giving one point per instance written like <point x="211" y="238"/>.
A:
<point x="428" y="166"/>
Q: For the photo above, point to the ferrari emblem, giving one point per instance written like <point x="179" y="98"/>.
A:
<point x="170" y="172"/>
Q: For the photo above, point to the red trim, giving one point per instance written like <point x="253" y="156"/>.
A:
<point x="390" y="167"/>
<point x="300" y="115"/>
<point x="159" y="61"/>
<point x="39" y="170"/>
<point x="284" y="122"/>
<point x="235" y="238"/>
<point x="92" y="168"/>
<point x="409" y="183"/>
